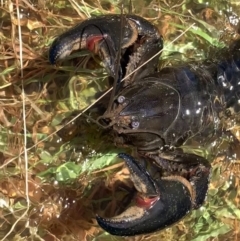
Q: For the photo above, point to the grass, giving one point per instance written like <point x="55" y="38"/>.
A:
<point x="57" y="171"/>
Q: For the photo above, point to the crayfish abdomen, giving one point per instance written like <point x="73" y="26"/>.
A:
<point x="157" y="112"/>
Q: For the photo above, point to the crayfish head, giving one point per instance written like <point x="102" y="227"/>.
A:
<point x="147" y="114"/>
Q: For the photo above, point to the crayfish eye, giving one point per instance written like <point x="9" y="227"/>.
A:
<point x="121" y="99"/>
<point x="135" y="124"/>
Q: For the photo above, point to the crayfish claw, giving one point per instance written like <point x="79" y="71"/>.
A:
<point x="165" y="202"/>
<point x="101" y="36"/>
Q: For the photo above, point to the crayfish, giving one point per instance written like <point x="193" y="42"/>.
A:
<point x="157" y="112"/>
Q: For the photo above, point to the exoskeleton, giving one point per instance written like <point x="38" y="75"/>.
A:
<point x="157" y="112"/>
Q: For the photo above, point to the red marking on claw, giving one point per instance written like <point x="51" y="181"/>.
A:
<point x="145" y="202"/>
<point x="92" y="41"/>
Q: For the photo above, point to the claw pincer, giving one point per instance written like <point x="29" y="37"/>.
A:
<point x="101" y="35"/>
<point x="157" y="112"/>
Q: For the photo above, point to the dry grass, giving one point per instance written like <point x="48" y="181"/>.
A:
<point x="52" y="184"/>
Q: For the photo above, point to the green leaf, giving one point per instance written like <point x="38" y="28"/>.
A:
<point x="68" y="171"/>
<point x="46" y="157"/>
<point x="100" y="162"/>
<point x="198" y="31"/>
<point x="63" y="173"/>
<point x="22" y="204"/>
<point x="235" y="209"/>
<point x="215" y="229"/>
<point x="45" y="174"/>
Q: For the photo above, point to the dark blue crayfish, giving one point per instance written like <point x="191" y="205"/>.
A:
<point x="158" y="112"/>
